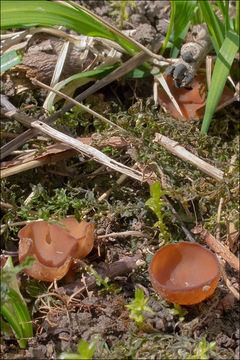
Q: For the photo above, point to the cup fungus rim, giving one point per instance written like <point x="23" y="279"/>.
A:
<point x="189" y="288"/>
<point x="40" y="265"/>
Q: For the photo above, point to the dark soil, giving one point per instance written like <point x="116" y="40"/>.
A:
<point x="58" y="327"/>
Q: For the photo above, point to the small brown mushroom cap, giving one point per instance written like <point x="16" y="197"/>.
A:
<point x="54" y="247"/>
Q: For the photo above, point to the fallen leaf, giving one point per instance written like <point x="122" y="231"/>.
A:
<point x="191" y="101"/>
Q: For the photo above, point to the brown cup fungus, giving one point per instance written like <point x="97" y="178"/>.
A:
<point x="54" y="247"/>
<point x="184" y="273"/>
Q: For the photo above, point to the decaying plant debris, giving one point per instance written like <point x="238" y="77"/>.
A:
<point x="97" y="165"/>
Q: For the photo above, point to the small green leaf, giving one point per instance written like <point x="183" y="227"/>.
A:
<point x="137" y="306"/>
<point x="9" y="60"/>
<point x="85" y="351"/>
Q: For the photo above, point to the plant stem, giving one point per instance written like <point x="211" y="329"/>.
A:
<point x="237" y="27"/>
<point x="169" y="28"/>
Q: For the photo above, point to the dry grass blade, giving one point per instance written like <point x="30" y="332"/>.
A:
<point x="164" y="84"/>
<point x="95" y="114"/>
<point x="87" y="150"/>
<point x="129" y="65"/>
<point x="52" y="154"/>
<point x="60" y="63"/>
<point x="186" y="155"/>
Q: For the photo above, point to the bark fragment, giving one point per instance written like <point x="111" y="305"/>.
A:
<point x="121" y="267"/>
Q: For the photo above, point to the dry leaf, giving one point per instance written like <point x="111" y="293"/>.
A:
<point x="191" y="101"/>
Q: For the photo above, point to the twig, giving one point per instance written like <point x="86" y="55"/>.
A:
<point x="77" y="145"/>
<point x="182" y="153"/>
<point x="231" y="168"/>
<point x="218" y="234"/>
<point x="216" y="246"/>
<point x="10" y="253"/>
<point x="26" y="163"/>
<point x="15" y="169"/>
<point x="228" y="283"/>
<point x="19" y="223"/>
<point x="123" y="233"/>
<point x="118" y="268"/>
<point x="87" y="150"/>
<point x="5" y="205"/>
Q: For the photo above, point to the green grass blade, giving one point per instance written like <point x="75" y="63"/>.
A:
<point x="221" y="6"/>
<point x="9" y="60"/>
<point x="12" y="320"/>
<point x="22" y="313"/>
<point x="9" y="268"/>
<point x="224" y="11"/>
<point x="181" y="16"/>
<point x="197" y="18"/>
<point x="45" y="13"/>
<point x="173" y="9"/>
<point x="75" y="81"/>
<point x="216" y="28"/>
<point x="237" y="27"/>
<point x="220" y="73"/>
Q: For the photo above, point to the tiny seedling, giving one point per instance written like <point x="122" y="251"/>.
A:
<point x="202" y="349"/>
<point x="13" y="306"/>
<point x="122" y="9"/>
<point x="84" y="351"/>
<point x="102" y="282"/>
<point x="156" y="203"/>
<point x="176" y="310"/>
<point x="137" y="306"/>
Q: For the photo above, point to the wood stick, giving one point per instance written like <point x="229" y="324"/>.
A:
<point x="182" y="153"/>
<point x="118" y="268"/>
<point x="123" y="234"/>
<point x="228" y="283"/>
<point x="217" y="247"/>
